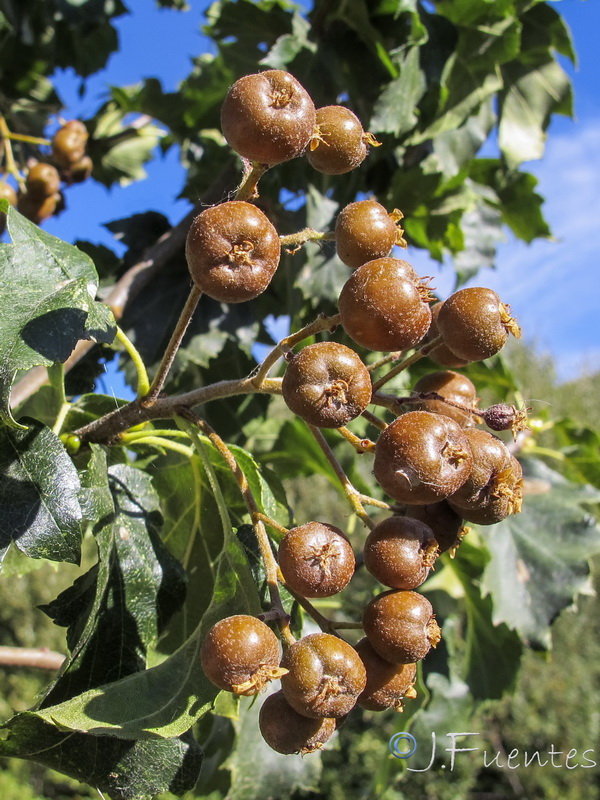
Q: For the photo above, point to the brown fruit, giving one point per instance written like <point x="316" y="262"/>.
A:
<point x="383" y="308"/>
<point x="421" y="458"/>
<point x="316" y="559"/>
<point x="37" y="210"/>
<point x="400" y="552"/>
<point x="365" y="231"/>
<point x="387" y="684"/>
<point x="340" y="145"/>
<point x="441" y="354"/>
<point x="232" y="251"/>
<point x="42" y="181"/>
<point x="495" y="489"/>
<point x="325" y="676"/>
<point x="327" y="385"/>
<point x="68" y="143"/>
<point x="401" y="626"/>
<point x="287" y="732"/>
<point x="268" y="117"/>
<point x="240" y="654"/>
<point x="475" y="324"/>
<point x="452" y="386"/>
<point x="446" y="524"/>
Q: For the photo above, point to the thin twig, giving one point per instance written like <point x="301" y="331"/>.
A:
<point x="174" y="343"/>
<point x="264" y="544"/>
<point x="349" y="490"/>
<point x="31" y="657"/>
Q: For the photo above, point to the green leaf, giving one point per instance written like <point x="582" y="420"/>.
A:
<point x="39" y="495"/>
<point x="465" y="90"/>
<point x="167" y="699"/>
<point x="293" y="438"/>
<point x="47" y="302"/>
<point x="95" y="496"/>
<point x="396" y="108"/>
<point x="493" y="651"/>
<point x="519" y="204"/>
<point x="532" y="95"/>
<point x="544" y="29"/>
<point x="288" y="46"/>
<point x="115" y="612"/>
<point x="127" y="770"/>
<point x="119" y="152"/>
<point x="540" y="557"/>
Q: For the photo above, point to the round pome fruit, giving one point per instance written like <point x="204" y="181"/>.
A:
<point x="287" y="732"/>
<point x="42" y="181"/>
<point x="383" y="306"/>
<point x="441" y="353"/>
<point x="316" y="559"/>
<point x="339" y="145"/>
<point x="400" y="552"/>
<point x="68" y="143"/>
<point x="327" y="385"/>
<point x="387" y="684"/>
<point x="325" y="676"/>
<point x="475" y="324"/>
<point x="268" y="117"/>
<point x="365" y="231"/>
<point x="232" y="251"/>
<point x="240" y="654"/>
<point x="446" y="524"/>
<point x="401" y="626"/>
<point x="451" y="386"/>
<point x="421" y="458"/>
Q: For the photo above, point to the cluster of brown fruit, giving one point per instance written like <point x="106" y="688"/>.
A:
<point x="41" y="196"/>
<point x="432" y="459"/>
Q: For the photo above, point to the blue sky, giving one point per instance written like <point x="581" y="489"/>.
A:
<point x="552" y="287"/>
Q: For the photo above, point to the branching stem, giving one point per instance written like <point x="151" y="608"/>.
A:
<point x="172" y="348"/>
<point x="256" y="516"/>
<point x="321" y="324"/>
<point x="408" y="362"/>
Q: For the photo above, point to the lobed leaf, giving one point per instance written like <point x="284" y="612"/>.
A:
<point x="540" y="557"/>
<point x="46" y="302"/>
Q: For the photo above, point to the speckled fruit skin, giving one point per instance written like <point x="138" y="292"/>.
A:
<point x="445" y="523"/>
<point x="471" y="323"/>
<point x="325" y="676"/>
<point x="235" y="649"/>
<point x="327" y="385"/>
<point x="316" y="559"/>
<point x="268" y="117"/>
<point x="232" y="251"/>
<point x="401" y="626"/>
<point x="441" y="354"/>
<point x="453" y="386"/>
<point x="287" y="732"/>
<point x="383" y="309"/>
<point x="421" y="458"/>
<point x="495" y="492"/>
<point x="400" y="552"/>
<point x="364" y="231"/>
<point x="342" y="147"/>
<point x="387" y="684"/>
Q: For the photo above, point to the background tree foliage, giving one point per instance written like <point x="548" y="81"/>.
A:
<point x="131" y="712"/>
